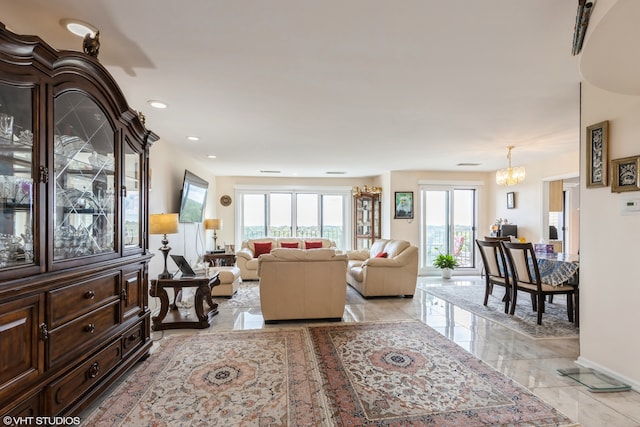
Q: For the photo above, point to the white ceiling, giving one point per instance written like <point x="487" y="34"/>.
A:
<point x="360" y="86"/>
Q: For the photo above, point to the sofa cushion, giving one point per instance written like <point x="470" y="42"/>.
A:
<point x="394" y="247"/>
<point x="290" y="245"/>
<point x="382" y="255"/>
<point x="377" y="247"/>
<point x="261" y="248"/>
<point x="313" y="244"/>
<point x="303" y="255"/>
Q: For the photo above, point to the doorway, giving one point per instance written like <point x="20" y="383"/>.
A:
<point x="448" y="225"/>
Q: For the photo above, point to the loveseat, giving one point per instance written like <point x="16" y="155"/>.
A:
<point x="251" y="249"/>
<point x="389" y="267"/>
<point x="302" y="284"/>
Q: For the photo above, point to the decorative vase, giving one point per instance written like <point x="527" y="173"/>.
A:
<point x="446" y="273"/>
<point x="185" y="301"/>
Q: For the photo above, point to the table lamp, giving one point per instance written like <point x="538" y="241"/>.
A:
<point x="213" y="224"/>
<point x="164" y="224"/>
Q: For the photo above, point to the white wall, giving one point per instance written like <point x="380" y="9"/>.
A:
<point x="531" y="197"/>
<point x="167" y="172"/>
<point x="609" y="288"/>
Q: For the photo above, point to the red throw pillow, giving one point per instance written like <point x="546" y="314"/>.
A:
<point x="382" y="255"/>
<point x="313" y="245"/>
<point x="290" y="245"/>
<point x="261" y="248"/>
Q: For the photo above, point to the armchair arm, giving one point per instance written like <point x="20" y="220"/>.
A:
<point x="400" y="260"/>
<point x="382" y="262"/>
<point x="245" y="253"/>
<point x="359" y="255"/>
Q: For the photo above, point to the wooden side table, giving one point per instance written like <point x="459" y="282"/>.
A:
<point x="170" y="317"/>
<point x="220" y="259"/>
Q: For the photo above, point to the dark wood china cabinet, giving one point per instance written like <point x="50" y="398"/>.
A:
<point x="74" y="312"/>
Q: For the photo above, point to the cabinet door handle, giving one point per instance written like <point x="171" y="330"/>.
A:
<point x="44" y="174"/>
<point x="90" y="295"/>
<point x="94" y="370"/>
<point x="91" y="327"/>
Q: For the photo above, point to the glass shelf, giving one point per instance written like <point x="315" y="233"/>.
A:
<point x="84" y="170"/>
<point x="16" y="177"/>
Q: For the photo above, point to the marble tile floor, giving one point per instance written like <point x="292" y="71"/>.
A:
<point x="532" y="363"/>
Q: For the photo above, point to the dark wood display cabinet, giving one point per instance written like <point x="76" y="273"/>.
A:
<point x="74" y="255"/>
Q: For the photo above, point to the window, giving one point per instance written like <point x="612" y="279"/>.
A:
<point x="300" y="213"/>
<point x="448" y="224"/>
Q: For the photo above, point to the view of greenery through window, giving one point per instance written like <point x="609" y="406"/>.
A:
<point x="295" y="214"/>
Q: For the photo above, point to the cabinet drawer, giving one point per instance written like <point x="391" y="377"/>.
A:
<point x="75" y="336"/>
<point x="71" y="386"/>
<point x="70" y="301"/>
<point x="132" y="339"/>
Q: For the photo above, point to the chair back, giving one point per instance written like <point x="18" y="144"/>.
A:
<point x="493" y="258"/>
<point x="523" y="262"/>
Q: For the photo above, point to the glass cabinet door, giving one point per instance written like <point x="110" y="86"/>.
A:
<point x="17" y="182"/>
<point x="132" y="199"/>
<point x="84" y="170"/>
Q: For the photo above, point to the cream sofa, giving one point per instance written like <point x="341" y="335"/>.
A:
<point x="396" y="274"/>
<point x="247" y="259"/>
<point x="302" y="284"/>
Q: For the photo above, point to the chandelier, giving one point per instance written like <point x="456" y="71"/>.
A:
<point x="510" y="175"/>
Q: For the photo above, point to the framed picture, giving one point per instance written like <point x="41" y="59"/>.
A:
<point x="404" y="205"/>
<point x="624" y="174"/>
<point x="597" y="154"/>
<point x="511" y="200"/>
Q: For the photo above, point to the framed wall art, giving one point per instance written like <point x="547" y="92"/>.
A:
<point x="404" y="205"/>
<point x="597" y="154"/>
<point x="624" y="174"/>
<point x="511" y="200"/>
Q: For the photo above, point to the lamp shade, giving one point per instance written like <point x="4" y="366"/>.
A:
<point x="163" y="223"/>
<point x="213" y="224"/>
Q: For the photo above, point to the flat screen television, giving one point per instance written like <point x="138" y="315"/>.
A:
<point x="193" y="198"/>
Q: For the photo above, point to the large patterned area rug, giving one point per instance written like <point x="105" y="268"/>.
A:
<point x="554" y="320"/>
<point x="357" y="374"/>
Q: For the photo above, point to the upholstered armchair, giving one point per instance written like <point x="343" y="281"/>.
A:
<point x="389" y="267"/>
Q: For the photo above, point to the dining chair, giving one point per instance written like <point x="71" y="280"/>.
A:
<point x="496" y="270"/>
<point x="526" y="278"/>
<point x="494" y="239"/>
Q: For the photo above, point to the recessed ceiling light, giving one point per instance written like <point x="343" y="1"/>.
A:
<point x="335" y="173"/>
<point x="193" y="138"/>
<point x="157" y="104"/>
<point x="77" y="27"/>
<point x="269" y="171"/>
<point x="468" y="164"/>
<point x="212" y="156"/>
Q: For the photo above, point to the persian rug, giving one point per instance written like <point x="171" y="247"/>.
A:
<point x="405" y="373"/>
<point x="358" y="374"/>
<point x="554" y="320"/>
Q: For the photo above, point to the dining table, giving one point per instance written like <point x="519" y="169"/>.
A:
<point x="558" y="268"/>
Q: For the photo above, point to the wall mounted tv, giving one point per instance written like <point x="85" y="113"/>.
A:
<point x="193" y="198"/>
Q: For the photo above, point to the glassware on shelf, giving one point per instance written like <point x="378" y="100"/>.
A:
<point x="6" y="127"/>
<point x="185" y="301"/>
